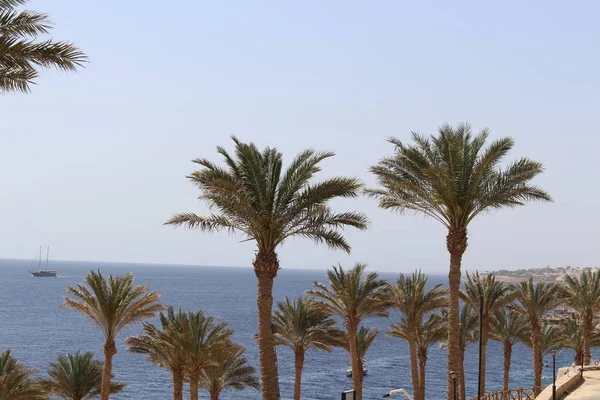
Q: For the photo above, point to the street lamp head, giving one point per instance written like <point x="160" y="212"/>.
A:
<point x="453" y="375"/>
<point x="553" y="352"/>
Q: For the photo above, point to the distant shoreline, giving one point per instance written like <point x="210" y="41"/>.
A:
<point x="545" y="275"/>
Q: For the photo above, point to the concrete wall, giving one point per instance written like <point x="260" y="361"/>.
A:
<point x="568" y="381"/>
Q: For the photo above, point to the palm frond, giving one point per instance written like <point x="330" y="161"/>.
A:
<point x="17" y="381"/>
<point x="77" y="377"/>
<point x="364" y="339"/>
<point x="21" y="55"/>
<point x="228" y="370"/>
<point x="112" y="303"/>
<point x="10" y="4"/>
<point x="254" y="195"/>
<point x="353" y="296"/>
<point x="452" y="178"/>
<point x="301" y="326"/>
<point x="23" y="23"/>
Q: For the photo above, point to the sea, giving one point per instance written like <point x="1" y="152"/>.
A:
<point x="37" y="330"/>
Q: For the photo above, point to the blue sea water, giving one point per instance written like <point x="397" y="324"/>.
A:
<point x="37" y="330"/>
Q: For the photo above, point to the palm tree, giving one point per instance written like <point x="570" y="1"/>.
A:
<point x="508" y="327"/>
<point x="228" y="370"/>
<point x="268" y="206"/>
<point x="433" y="330"/>
<point x="77" y="377"/>
<point x="552" y="339"/>
<point x="412" y="298"/>
<point x="112" y="304"/>
<point x="301" y="327"/>
<point x="572" y="334"/>
<point x="451" y="178"/>
<point x="164" y="346"/>
<point x="468" y="332"/>
<point x="533" y="301"/>
<point x="584" y="298"/>
<point x="494" y="295"/>
<point x="17" y="382"/>
<point x="353" y="299"/>
<point x="20" y="54"/>
<point x="203" y="339"/>
<point x="364" y="339"/>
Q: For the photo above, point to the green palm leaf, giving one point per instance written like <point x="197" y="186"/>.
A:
<point x="228" y="370"/>
<point x="21" y="54"/>
<point x="77" y="377"/>
<point x="17" y="382"/>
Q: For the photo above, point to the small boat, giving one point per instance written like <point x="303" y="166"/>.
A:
<point x="43" y="273"/>
<point x="349" y="371"/>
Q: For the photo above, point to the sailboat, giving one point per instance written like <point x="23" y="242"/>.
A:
<point x="43" y="273"/>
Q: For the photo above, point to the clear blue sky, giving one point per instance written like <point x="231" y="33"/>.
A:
<point x="93" y="163"/>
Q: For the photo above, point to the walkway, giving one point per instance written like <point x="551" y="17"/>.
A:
<point x="589" y="389"/>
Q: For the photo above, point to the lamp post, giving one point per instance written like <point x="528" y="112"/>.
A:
<point x="453" y="375"/>
<point x="553" y="374"/>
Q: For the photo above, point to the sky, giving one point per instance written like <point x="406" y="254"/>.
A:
<point x="93" y="163"/>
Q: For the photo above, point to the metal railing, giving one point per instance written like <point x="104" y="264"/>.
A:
<point x="515" y="394"/>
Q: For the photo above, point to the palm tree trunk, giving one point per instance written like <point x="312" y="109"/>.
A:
<point x="507" y="356"/>
<point x="461" y="374"/>
<point x="194" y="385"/>
<point x="414" y="369"/>
<point x="177" y="377"/>
<point x="110" y="349"/>
<point x="214" y="394"/>
<point x="265" y="268"/>
<point x="587" y="337"/>
<point x="356" y="364"/>
<point x="484" y="341"/>
<point x="536" y="339"/>
<point x="422" y="364"/>
<point x="299" y="363"/>
<point x="456" y="243"/>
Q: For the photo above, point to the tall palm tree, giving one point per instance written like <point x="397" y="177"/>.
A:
<point x="112" y="304"/>
<point x="164" y="346"/>
<point x="17" y="382"/>
<point x="433" y="330"/>
<point x="203" y="339"/>
<point x="412" y="298"/>
<point x="533" y="301"/>
<point x="21" y="55"/>
<point x="353" y="299"/>
<point x="301" y="327"/>
<point x="77" y="377"/>
<point x="584" y="298"/>
<point x="253" y="195"/>
<point x="495" y="295"/>
<point x="452" y="178"/>
<point x="228" y="370"/>
<point x="508" y="327"/>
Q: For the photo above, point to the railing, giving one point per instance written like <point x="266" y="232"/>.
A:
<point x="516" y="394"/>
